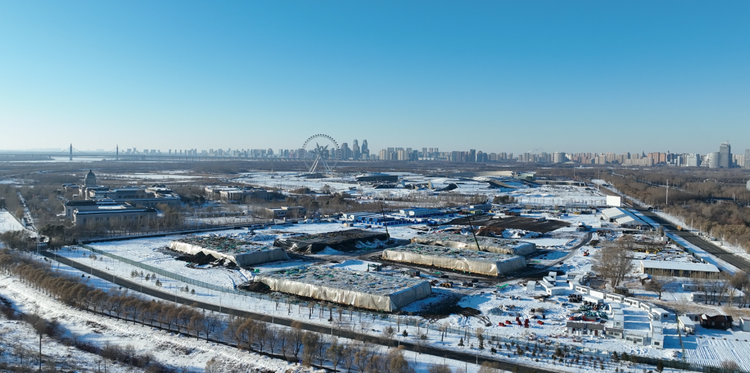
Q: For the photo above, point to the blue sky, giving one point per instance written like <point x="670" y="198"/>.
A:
<point x="513" y="76"/>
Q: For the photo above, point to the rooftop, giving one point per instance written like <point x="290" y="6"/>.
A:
<point x="223" y="244"/>
<point x="450" y="252"/>
<point x="659" y="264"/>
<point x="365" y="282"/>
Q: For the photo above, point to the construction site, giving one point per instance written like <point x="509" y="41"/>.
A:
<point x="495" y="224"/>
<point x="481" y="243"/>
<point x="348" y="240"/>
<point x="358" y="289"/>
<point x="236" y="251"/>
<point x="472" y="261"/>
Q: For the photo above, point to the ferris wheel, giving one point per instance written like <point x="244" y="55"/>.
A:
<point x="321" y="150"/>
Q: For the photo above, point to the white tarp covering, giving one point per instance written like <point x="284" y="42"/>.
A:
<point x="245" y="258"/>
<point x="362" y="290"/>
<point x="489" y="244"/>
<point x="480" y="262"/>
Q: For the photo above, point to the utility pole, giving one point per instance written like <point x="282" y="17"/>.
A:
<point x="385" y="223"/>
<point x="667" y="203"/>
<point x="471" y="226"/>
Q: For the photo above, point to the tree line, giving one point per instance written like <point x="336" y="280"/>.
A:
<point x="293" y="344"/>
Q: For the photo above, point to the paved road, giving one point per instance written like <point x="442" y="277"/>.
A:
<point x="712" y="249"/>
<point x="468" y="358"/>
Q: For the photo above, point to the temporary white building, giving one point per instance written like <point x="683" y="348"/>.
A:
<point x="480" y="262"/>
<point x="359" y="289"/>
<point x="239" y="252"/>
<point x="469" y="242"/>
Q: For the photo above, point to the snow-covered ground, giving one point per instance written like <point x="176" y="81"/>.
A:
<point x="8" y="222"/>
<point x="492" y="302"/>
<point x="190" y="354"/>
<point x="556" y="195"/>
<point x="549" y="195"/>
<point x="148" y="251"/>
<point x="170" y="349"/>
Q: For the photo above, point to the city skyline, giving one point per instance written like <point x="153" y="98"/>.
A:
<point x="724" y="158"/>
<point x="500" y="76"/>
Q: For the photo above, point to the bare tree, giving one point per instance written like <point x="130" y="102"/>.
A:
<point x="444" y="330"/>
<point x="320" y="352"/>
<point x="741" y="282"/>
<point x="397" y="363"/>
<point x="656" y="285"/>
<point x="213" y="366"/>
<point x="212" y="324"/>
<point x="362" y="357"/>
<point x="259" y="331"/>
<point x="272" y="337"/>
<point x="197" y="325"/>
<point x="296" y="341"/>
<point x="335" y="353"/>
<point x="375" y="364"/>
<point x="702" y="285"/>
<point x="480" y="337"/>
<point x="489" y="367"/>
<point x="246" y="334"/>
<point x="730" y="365"/>
<point x="311" y="342"/>
<point x="439" y="368"/>
<point x="389" y="332"/>
<point x="285" y="339"/>
<point x="615" y="262"/>
<point x="350" y="353"/>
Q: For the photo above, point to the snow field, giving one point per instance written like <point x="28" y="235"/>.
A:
<point x="9" y="223"/>
<point x="169" y="349"/>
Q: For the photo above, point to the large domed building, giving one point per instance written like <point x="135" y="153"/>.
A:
<point x="90" y="180"/>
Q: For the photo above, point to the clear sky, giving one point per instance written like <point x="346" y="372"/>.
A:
<point x="513" y="76"/>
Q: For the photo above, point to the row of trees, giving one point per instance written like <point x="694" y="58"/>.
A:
<point x="725" y="221"/>
<point x="246" y="333"/>
<point x="693" y="198"/>
<point x="24" y="359"/>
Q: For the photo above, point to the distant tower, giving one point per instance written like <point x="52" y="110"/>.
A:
<point x="725" y="155"/>
<point x="558" y="157"/>
<point x="345" y="151"/>
<point x="355" y="150"/>
<point x="71" y="152"/>
<point x="117" y="152"/>
<point x="90" y="180"/>
<point x="364" y="150"/>
<point x="713" y="159"/>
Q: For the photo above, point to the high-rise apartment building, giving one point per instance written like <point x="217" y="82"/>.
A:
<point x="725" y="155"/>
<point x="364" y="150"/>
<point x="693" y="160"/>
<point x="355" y="150"/>
<point x="346" y="153"/>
